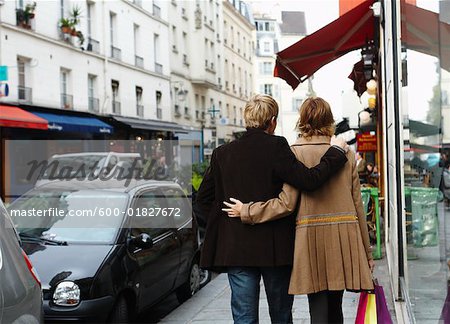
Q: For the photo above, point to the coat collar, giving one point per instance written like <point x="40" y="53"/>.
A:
<point x="314" y="140"/>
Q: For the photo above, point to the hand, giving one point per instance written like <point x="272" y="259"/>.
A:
<point x="234" y="210"/>
<point x="338" y="141"/>
<point x="371" y="265"/>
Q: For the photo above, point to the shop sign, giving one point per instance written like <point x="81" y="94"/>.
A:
<point x="3" y="73"/>
<point x="366" y="142"/>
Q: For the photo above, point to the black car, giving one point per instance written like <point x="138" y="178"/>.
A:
<point x="20" y="289"/>
<point x="113" y="262"/>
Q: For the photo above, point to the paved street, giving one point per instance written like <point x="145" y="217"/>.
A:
<point x="211" y="304"/>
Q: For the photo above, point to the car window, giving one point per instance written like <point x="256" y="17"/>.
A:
<point x="148" y="212"/>
<point x="177" y="200"/>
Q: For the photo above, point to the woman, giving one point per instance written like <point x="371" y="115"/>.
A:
<point x="332" y="250"/>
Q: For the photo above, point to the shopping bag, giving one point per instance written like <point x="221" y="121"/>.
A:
<point x="445" y="314"/>
<point x="372" y="307"/>
<point x="367" y="309"/>
<point x="383" y="315"/>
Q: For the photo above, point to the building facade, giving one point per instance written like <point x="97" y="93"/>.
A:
<point x="211" y="60"/>
<point x="274" y="35"/>
<point x="88" y="66"/>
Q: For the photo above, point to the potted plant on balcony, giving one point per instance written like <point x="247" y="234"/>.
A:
<point x="75" y="15"/>
<point x="29" y="11"/>
<point x="66" y="25"/>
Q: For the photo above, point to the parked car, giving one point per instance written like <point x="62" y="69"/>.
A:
<point x="81" y="166"/>
<point x="116" y="266"/>
<point x="20" y="290"/>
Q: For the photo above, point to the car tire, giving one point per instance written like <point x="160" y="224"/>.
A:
<point x="192" y="284"/>
<point x="120" y="312"/>
<point x="205" y="277"/>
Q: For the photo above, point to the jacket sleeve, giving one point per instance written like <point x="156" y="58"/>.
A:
<point x="206" y="195"/>
<point x="357" y="200"/>
<point x="295" y="173"/>
<point x="260" y="212"/>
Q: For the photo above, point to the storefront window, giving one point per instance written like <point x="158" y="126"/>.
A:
<point x="426" y="83"/>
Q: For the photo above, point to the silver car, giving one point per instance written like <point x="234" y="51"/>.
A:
<point x="20" y="289"/>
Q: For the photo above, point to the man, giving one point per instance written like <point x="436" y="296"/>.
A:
<point x="254" y="168"/>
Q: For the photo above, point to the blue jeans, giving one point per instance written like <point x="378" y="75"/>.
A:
<point x="245" y="287"/>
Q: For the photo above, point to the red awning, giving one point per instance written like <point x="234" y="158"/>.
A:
<point x="422" y="31"/>
<point x="15" y="117"/>
<point x="349" y="32"/>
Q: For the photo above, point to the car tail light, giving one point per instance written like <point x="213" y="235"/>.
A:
<point x="31" y="268"/>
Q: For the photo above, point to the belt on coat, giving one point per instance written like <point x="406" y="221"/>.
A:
<point x="327" y="219"/>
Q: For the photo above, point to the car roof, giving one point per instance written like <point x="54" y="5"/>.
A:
<point x="108" y="185"/>
<point x="95" y="154"/>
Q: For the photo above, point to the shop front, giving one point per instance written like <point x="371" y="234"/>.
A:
<point x="416" y="57"/>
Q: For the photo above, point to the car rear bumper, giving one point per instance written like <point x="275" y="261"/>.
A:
<point x="94" y="310"/>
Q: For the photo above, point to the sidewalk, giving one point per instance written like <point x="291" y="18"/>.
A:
<point x="212" y="303"/>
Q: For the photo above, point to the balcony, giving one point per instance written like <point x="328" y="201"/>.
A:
<point x="94" y="104"/>
<point x="116" y="107"/>
<point x="158" y="68"/>
<point x="66" y="101"/>
<point x="140" y="110"/>
<point x="159" y="113"/>
<point x="93" y="45"/>
<point x="116" y="53"/>
<point x="139" y="61"/>
<point x="156" y="11"/>
<point x="24" y="95"/>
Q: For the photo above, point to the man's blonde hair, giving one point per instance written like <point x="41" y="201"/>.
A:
<point x="259" y="111"/>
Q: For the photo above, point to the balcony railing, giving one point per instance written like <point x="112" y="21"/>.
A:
<point x="66" y="101"/>
<point x="93" y="45"/>
<point x="94" y="104"/>
<point x="159" y="113"/>
<point x="139" y="61"/>
<point x="24" y="94"/>
<point x="140" y="110"/>
<point x="156" y="11"/>
<point x="116" y="53"/>
<point x="116" y="107"/>
<point x="158" y="68"/>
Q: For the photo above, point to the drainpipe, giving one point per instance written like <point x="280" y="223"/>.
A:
<point x="105" y="60"/>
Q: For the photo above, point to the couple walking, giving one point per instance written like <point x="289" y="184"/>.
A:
<point x="302" y="227"/>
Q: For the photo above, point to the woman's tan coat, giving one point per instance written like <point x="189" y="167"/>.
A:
<point x="332" y="246"/>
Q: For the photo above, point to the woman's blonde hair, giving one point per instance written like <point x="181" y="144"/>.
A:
<point x="259" y="111"/>
<point x="315" y="118"/>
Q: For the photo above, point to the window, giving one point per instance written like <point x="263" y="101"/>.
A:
<point x="89" y="20"/>
<point x="296" y="103"/>
<point x="64" y="81"/>
<point x="139" y="95"/>
<point x="136" y="39"/>
<point x="21" y="70"/>
<point x="267" y="47"/>
<point x="156" y="47"/>
<point x="158" y="104"/>
<point x="174" y="39"/>
<point x="267" y="89"/>
<point x="115" y="90"/>
<point x="61" y="8"/>
<point x="91" y="86"/>
<point x="93" y="102"/>
<point x="266" y="68"/>
<point x="112" y="28"/>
